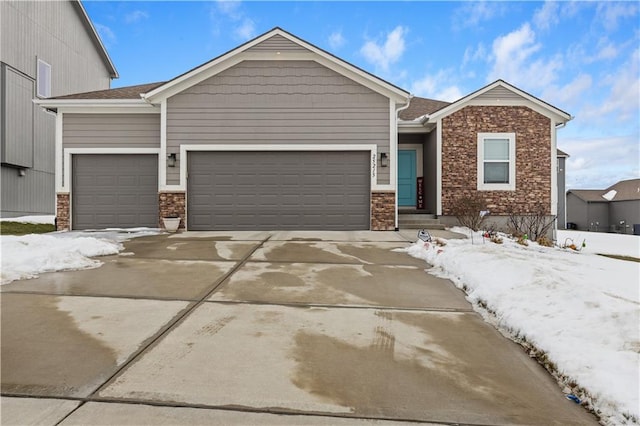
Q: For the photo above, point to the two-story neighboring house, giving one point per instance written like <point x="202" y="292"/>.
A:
<point x="47" y="49"/>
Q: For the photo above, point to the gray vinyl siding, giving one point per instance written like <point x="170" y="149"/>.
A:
<point x="499" y="93"/>
<point x="17" y="124"/>
<point x="627" y="211"/>
<point x="30" y="194"/>
<point x="54" y="32"/>
<point x="561" y="193"/>
<point x="277" y="43"/>
<point x="111" y="130"/>
<point x="277" y="102"/>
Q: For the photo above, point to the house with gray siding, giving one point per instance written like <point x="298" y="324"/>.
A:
<point x="47" y="49"/>
<point x="280" y="134"/>
<point x="615" y="209"/>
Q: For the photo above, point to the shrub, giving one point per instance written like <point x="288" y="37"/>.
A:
<point x="467" y="210"/>
<point x="535" y="223"/>
<point x="544" y="241"/>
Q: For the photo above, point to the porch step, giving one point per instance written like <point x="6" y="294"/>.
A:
<point x="418" y="221"/>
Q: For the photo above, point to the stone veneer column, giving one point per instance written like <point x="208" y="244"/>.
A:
<point x="172" y="203"/>
<point x="383" y="211"/>
<point x="62" y="212"/>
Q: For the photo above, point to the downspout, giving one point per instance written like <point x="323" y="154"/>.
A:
<point x="395" y="178"/>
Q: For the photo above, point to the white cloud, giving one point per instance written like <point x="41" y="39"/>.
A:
<point x="513" y="60"/>
<point x="336" y="40"/>
<point x="135" y="16"/>
<point x="106" y="34"/>
<point x="471" y="14"/>
<point x="597" y="163"/>
<point x="547" y="16"/>
<point x="230" y="8"/>
<point x="624" y="86"/>
<point x="383" y="55"/>
<point x="437" y="86"/>
<point x="246" y="30"/>
<point x="474" y="54"/>
<point x="609" y="13"/>
<point x="572" y="93"/>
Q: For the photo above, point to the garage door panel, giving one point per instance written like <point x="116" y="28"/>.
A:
<point x="114" y="190"/>
<point x="278" y="190"/>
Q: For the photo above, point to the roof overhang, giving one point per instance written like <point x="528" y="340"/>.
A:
<point x="414" y="126"/>
<point x="93" y="34"/>
<point x="239" y="54"/>
<point x="557" y="115"/>
<point x="96" y="105"/>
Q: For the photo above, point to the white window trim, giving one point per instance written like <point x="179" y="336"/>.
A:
<point x="40" y="77"/>
<point x="511" y="186"/>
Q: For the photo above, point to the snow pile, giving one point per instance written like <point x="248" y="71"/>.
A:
<point x="27" y="256"/>
<point x="581" y="309"/>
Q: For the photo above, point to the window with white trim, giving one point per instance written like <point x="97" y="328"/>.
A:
<point x="43" y="78"/>
<point x="496" y="161"/>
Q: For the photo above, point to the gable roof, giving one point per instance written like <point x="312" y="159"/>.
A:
<point x="95" y="38"/>
<point x="625" y="190"/>
<point x="561" y="153"/>
<point x="234" y="56"/>
<point x="559" y="115"/>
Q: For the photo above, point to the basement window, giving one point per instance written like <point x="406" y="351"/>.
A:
<point x="496" y="161"/>
<point x="43" y="78"/>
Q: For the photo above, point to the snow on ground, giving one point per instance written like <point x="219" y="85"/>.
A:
<point x="27" y="256"/>
<point x="600" y="242"/>
<point x="581" y="309"/>
<point x="50" y="219"/>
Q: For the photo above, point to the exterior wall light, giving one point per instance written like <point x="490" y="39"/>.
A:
<point x="22" y="172"/>
<point x="171" y="159"/>
<point x="384" y="159"/>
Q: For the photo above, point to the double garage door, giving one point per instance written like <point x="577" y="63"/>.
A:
<point x="278" y="190"/>
<point x="228" y="190"/>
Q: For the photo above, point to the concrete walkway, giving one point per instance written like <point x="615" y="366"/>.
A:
<point x="278" y="328"/>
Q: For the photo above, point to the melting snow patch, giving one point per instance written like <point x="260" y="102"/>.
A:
<point x="580" y="309"/>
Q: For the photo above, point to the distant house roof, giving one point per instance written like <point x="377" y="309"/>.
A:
<point x="420" y="107"/>
<point x="589" y="195"/>
<point x="129" y="92"/>
<point x="95" y="38"/>
<point x="625" y="190"/>
<point x="561" y="153"/>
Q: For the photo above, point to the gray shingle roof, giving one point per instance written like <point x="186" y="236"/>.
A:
<point x="421" y="106"/>
<point x="626" y="190"/>
<point x="129" y="92"/>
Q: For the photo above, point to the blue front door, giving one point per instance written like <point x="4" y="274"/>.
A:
<point x="407" y="178"/>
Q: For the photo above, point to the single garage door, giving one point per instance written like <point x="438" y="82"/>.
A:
<point x="278" y="190"/>
<point x="114" y="190"/>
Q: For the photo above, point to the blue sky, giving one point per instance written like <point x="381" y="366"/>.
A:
<point x="582" y="57"/>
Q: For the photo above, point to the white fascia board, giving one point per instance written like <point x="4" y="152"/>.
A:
<point x="531" y="101"/>
<point x="372" y="148"/>
<point x="68" y="152"/>
<point x="412" y="127"/>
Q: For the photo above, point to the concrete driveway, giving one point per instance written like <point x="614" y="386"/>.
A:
<point x="262" y="328"/>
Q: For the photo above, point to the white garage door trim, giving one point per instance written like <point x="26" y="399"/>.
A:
<point x="372" y="148"/>
<point x="67" y="171"/>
